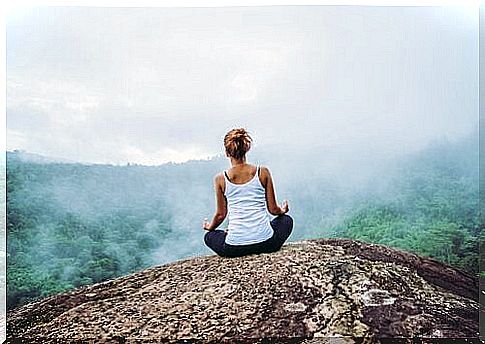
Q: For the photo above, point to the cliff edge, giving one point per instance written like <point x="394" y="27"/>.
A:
<point x="315" y="288"/>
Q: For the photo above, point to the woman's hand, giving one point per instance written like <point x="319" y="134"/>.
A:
<point x="284" y="206"/>
<point x="206" y="225"/>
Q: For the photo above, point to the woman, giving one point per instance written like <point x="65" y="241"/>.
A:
<point x="246" y="193"/>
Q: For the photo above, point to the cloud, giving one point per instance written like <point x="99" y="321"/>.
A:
<point x="150" y="85"/>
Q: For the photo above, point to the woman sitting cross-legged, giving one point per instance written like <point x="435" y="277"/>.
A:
<point x="246" y="193"/>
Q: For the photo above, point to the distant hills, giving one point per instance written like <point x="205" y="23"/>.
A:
<point x="74" y="224"/>
<point x="25" y="156"/>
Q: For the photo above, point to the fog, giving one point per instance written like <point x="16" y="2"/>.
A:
<point x="162" y="207"/>
<point x="118" y="117"/>
<point x="152" y="85"/>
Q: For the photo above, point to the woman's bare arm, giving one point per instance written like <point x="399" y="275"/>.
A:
<point x="267" y="182"/>
<point x="221" y="205"/>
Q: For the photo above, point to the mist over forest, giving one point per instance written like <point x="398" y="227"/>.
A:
<point x="71" y="224"/>
<point x="366" y="117"/>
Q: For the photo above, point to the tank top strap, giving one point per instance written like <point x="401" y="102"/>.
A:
<point x="225" y="175"/>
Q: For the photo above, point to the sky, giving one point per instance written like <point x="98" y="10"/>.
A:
<point x="152" y="85"/>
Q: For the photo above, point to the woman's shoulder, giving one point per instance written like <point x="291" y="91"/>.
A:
<point x="264" y="174"/>
<point x="219" y="177"/>
<point x="263" y="169"/>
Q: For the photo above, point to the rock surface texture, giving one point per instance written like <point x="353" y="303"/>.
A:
<point x="310" y="291"/>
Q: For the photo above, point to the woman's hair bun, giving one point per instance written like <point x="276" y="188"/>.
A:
<point x="237" y="143"/>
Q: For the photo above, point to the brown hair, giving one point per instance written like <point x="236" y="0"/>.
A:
<point x="237" y="142"/>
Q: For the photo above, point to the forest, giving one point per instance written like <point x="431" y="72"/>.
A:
<point x="72" y="224"/>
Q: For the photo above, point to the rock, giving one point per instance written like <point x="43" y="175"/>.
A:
<point x="308" y="292"/>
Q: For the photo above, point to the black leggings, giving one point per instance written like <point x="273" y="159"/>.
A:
<point x="282" y="227"/>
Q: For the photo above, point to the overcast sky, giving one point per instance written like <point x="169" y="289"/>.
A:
<point x="151" y="85"/>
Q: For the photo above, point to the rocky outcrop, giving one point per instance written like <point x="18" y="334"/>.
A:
<point x="308" y="290"/>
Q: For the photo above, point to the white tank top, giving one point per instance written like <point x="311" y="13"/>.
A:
<point x="249" y="222"/>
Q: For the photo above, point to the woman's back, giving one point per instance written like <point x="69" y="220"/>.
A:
<point x="249" y="221"/>
<point x="247" y="194"/>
